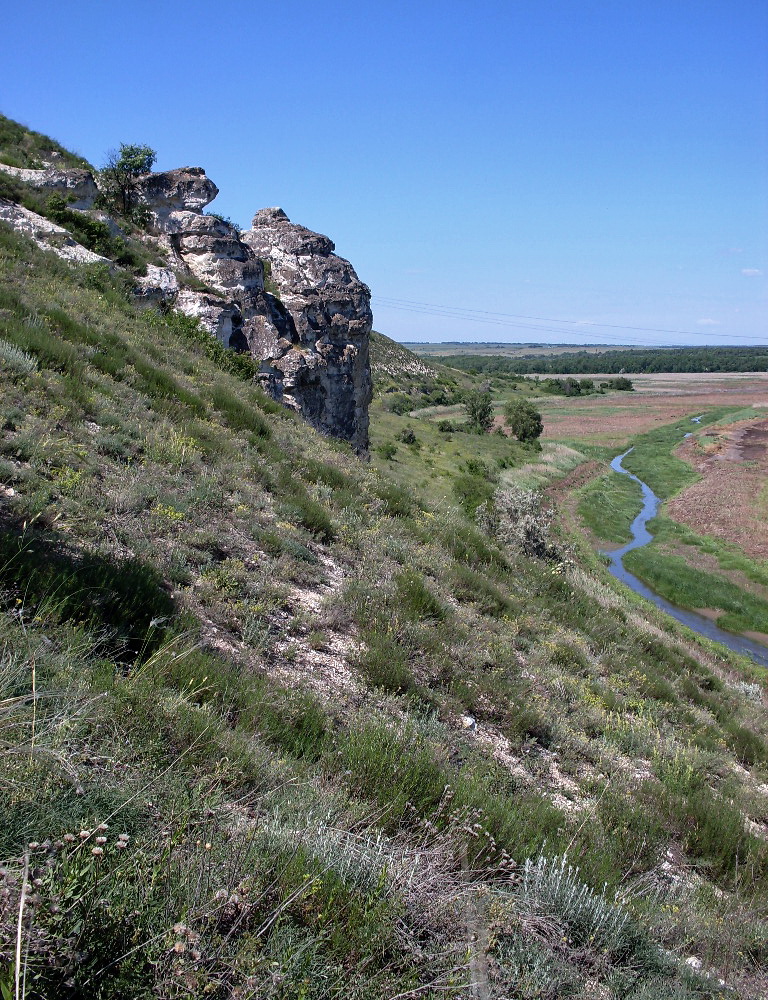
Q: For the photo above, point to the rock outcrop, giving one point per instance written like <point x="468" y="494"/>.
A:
<point x="74" y="183"/>
<point x="320" y="363"/>
<point x="309" y="331"/>
<point x="47" y="235"/>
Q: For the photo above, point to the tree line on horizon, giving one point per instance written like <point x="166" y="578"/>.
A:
<point x="664" y="359"/>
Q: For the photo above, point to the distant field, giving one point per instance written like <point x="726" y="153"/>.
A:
<point x="510" y="350"/>
<point x="711" y="536"/>
<point x="593" y="359"/>
<point x="658" y="399"/>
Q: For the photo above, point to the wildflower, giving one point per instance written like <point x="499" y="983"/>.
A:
<point x="69" y="838"/>
<point x="208" y="845"/>
<point x="101" y="840"/>
<point x="121" y="845"/>
<point x="85" y="834"/>
<point x="124" y="837"/>
<point x="179" y="947"/>
<point x="102" y="827"/>
<point x="97" y="851"/>
<point x="33" y="845"/>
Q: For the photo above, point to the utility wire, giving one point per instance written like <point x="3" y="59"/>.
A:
<point x="514" y="320"/>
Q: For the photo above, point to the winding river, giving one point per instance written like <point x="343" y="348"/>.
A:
<point x="641" y="536"/>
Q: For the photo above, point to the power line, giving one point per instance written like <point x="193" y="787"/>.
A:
<point x="514" y="320"/>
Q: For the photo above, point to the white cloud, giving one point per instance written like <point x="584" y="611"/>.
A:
<point x="708" y="322"/>
<point x="751" y="272"/>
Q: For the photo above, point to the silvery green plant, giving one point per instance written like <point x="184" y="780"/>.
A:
<point x="550" y="886"/>
<point x="517" y="518"/>
<point x="17" y="360"/>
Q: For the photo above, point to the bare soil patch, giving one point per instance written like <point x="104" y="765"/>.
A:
<point x="726" y="501"/>
<point x="658" y="399"/>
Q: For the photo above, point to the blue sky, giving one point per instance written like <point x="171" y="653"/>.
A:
<point x="529" y="170"/>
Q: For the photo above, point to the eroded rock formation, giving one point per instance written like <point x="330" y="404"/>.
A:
<point x="74" y="183"/>
<point x="309" y="331"/>
<point x="328" y="313"/>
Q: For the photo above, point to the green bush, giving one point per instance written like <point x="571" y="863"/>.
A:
<point x="524" y="420"/>
<point x="240" y="417"/>
<point x="384" y="662"/>
<point x="415" y="601"/>
<point x="479" y="407"/>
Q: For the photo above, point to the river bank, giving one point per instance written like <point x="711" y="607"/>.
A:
<point x="695" y="620"/>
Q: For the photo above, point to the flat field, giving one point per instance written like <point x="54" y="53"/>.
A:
<point x="658" y="399"/>
<point x="710" y="548"/>
<point x="730" y="501"/>
<point x="492" y="350"/>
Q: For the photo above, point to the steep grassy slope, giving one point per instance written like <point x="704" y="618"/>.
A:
<point x="22" y="147"/>
<point x="273" y="726"/>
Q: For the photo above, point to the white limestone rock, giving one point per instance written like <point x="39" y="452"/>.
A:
<point x="325" y="372"/>
<point x="47" y="235"/>
<point x="77" y="184"/>
<point x="186" y="189"/>
<point x="159" y="287"/>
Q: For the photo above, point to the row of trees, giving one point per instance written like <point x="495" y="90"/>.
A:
<point x="620" y="362"/>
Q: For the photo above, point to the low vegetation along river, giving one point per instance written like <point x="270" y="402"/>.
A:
<point x="641" y="536"/>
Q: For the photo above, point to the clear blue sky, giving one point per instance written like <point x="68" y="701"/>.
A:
<point x="582" y="161"/>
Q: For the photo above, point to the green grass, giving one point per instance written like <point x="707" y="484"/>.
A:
<point x="251" y="653"/>
<point x="673" y="578"/>
<point x="22" y="147"/>
<point x="728" y="556"/>
<point x="608" y="505"/>
<point x="651" y="459"/>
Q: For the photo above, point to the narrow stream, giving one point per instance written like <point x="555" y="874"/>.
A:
<point x="641" y="536"/>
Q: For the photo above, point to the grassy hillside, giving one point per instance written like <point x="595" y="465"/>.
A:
<point x="274" y="724"/>
<point x="22" y="147"/>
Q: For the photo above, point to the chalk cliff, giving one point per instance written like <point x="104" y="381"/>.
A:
<point x="309" y="331"/>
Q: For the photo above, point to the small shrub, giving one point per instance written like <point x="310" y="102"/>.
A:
<point x="296" y="505"/>
<point x="533" y="971"/>
<point x="384" y="663"/>
<point x="397" y="500"/>
<point x="17" y="360"/>
<point x="472" y="491"/>
<point x="415" y="601"/>
<point x="552" y="886"/>
<point x="470" y="585"/>
<point x="240" y="417"/>
<point x="517" y="517"/>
